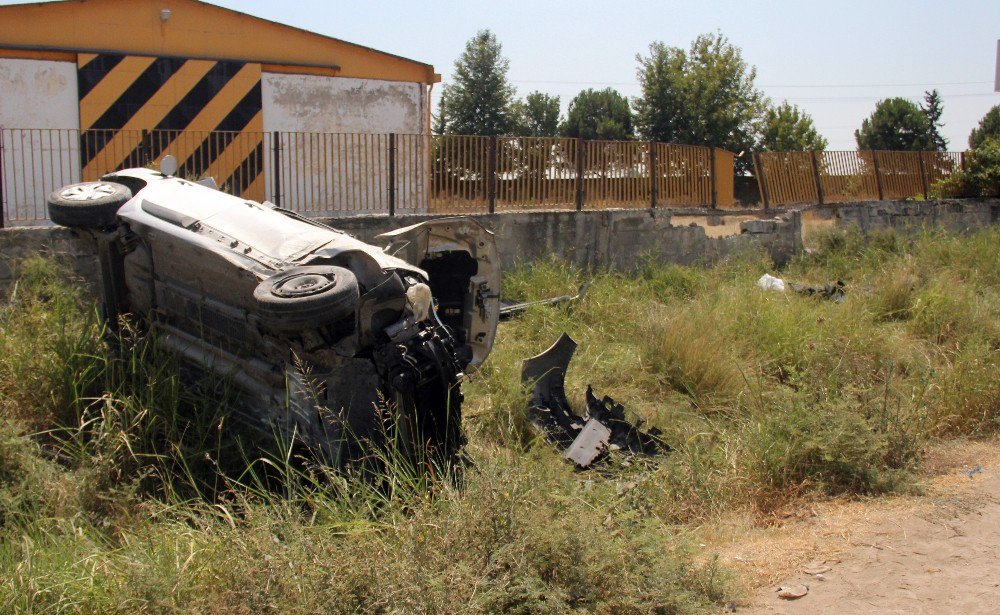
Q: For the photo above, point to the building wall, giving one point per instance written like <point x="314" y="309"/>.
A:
<point x="346" y="166"/>
<point x="111" y="98"/>
<point x="185" y="101"/>
<point x="308" y="103"/>
<point x="192" y="72"/>
<point x="37" y="94"/>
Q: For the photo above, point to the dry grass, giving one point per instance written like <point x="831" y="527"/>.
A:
<point x="775" y="404"/>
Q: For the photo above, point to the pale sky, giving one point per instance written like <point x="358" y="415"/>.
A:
<point x="834" y="59"/>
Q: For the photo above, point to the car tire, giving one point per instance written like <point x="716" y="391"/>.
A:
<point x="90" y="204"/>
<point x="306" y="297"/>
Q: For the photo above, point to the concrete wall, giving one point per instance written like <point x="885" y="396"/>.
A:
<point x="16" y="244"/>
<point x="956" y="215"/>
<point x="309" y="103"/>
<point x="37" y="94"/>
<point x="618" y="239"/>
<point x="592" y="239"/>
<point x="327" y="172"/>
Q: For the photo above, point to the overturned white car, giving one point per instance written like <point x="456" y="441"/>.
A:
<point x="324" y="336"/>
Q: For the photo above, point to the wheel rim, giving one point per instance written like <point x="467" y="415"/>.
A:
<point x="87" y="192"/>
<point x="304" y="285"/>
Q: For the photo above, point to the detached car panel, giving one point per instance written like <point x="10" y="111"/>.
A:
<point x="326" y="337"/>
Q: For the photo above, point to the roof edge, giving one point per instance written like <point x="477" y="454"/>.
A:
<point x="429" y="68"/>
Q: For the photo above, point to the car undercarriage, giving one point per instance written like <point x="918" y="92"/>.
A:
<point x="331" y="342"/>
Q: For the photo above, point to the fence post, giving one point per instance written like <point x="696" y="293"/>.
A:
<point x="492" y="185"/>
<point x="924" y="180"/>
<point x="581" y="152"/>
<point x="654" y="189"/>
<point x="276" y="166"/>
<point x="712" y="177"/>
<point x="961" y="160"/>
<point x="761" y="183"/>
<point x="144" y="149"/>
<point x="392" y="174"/>
<point x="819" y="184"/>
<point x="3" y="208"/>
<point x="878" y="175"/>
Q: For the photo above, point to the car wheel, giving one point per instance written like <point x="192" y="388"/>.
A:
<point x="306" y="297"/>
<point x="90" y="204"/>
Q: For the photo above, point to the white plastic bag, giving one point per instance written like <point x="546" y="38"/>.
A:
<point x="769" y="282"/>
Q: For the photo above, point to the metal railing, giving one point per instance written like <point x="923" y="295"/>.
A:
<point x="333" y="174"/>
<point x="792" y="178"/>
<point x="493" y="174"/>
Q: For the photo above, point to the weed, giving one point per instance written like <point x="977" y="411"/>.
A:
<point x="137" y="491"/>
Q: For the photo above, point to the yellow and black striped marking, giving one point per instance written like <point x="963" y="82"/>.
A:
<point x="207" y="113"/>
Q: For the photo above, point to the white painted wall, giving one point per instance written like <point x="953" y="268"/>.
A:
<point x="42" y="95"/>
<point x="38" y="94"/>
<point x="309" y="103"/>
<point x="342" y="171"/>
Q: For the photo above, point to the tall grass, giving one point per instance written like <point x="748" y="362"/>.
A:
<point x="124" y="486"/>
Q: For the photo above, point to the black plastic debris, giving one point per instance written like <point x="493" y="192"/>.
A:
<point x="606" y="425"/>
<point x="833" y="291"/>
<point x="509" y="309"/>
<point x="626" y="434"/>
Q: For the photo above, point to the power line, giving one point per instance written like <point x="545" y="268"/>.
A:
<point x="878" y="85"/>
<point x="782" y="85"/>
<point x="843" y="99"/>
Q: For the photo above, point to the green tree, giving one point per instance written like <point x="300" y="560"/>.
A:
<point x="478" y="101"/>
<point x="702" y="96"/>
<point x="896" y="124"/>
<point x="536" y="116"/>
<point x="599" y="114"/>
<point x="788" y="129"/>
<point x="989" y="127"/>
<point x="933" y="108"/>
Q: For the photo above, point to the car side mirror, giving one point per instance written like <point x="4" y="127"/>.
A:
<point x="168" y="166"/>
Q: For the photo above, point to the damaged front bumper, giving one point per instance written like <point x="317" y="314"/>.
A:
<point x="605" y="426"/>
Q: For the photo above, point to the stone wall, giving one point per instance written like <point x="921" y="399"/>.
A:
<point x="16" y="244"/>
<point x="618" y="239"/>
<point x="955" y="215"/>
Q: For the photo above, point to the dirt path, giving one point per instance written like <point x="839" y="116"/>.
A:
<point x="935" y="553"/>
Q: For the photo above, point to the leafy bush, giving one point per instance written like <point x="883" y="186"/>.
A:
<point x="981" y="177"/>
<point x="795" y="443"/>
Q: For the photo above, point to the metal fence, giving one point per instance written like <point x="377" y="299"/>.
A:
<point x="791" y="178"/>
<point x="331" y="174"/>
<point x="487" y="174"/>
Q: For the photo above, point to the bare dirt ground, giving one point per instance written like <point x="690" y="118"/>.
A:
<point x="934" y="552"/>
